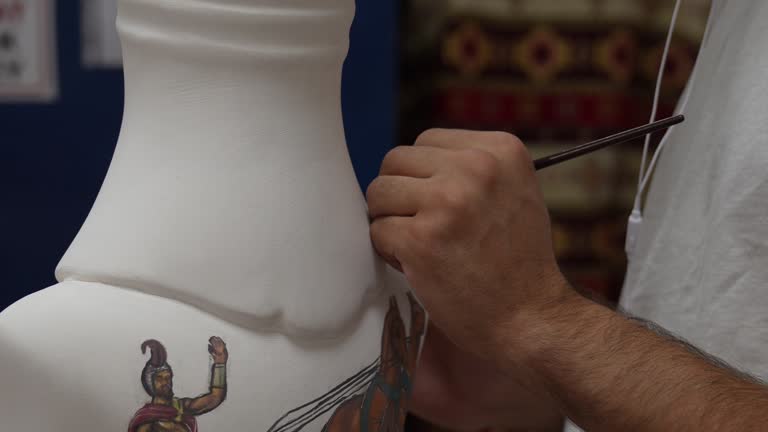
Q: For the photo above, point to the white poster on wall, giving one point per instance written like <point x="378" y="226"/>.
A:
<point x="101" y="46"/>
<point x="28" y="62"/>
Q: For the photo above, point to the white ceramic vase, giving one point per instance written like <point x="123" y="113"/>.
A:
<point x="224" y="279"/>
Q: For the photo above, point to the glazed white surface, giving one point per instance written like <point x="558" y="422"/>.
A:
<point x="231" y="187"/>
<point x="230" y="209"/>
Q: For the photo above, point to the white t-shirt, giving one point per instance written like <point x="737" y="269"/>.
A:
<point x="700" y="269"/>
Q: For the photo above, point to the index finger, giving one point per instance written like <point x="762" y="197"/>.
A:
<point x="499" y="144"/>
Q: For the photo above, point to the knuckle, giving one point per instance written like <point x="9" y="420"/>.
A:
<point x="427" y="234"/>
<point x="393" y="158"/>
<point x="375" y="192"/>
<point x="484" y="168"/>
<point x="509" y="146"/>
<point x="416" y="233"/>
<point x="455" y="200"/>
<point x="376" y="231"/>
<point x="373" y="187"/>
<point x="429" y="136"/>
<point x="506" y="138"/>
<point x="519" y="152"/>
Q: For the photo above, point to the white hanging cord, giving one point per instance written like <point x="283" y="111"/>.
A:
<point x="636" y="218"/>
<point x="644" y="175"/>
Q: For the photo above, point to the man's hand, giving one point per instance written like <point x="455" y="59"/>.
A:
<point x="218" y="350"/>
<point x="461" y="214"/>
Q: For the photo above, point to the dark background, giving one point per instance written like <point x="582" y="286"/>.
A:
<point x="54" y="157"/>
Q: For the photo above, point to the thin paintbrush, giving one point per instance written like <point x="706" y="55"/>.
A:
<point x="619" y="138"/>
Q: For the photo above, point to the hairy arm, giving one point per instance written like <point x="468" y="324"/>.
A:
<point x="610" y="372"/>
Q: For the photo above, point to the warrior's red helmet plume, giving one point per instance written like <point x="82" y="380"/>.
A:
<point x="157" y="363"/>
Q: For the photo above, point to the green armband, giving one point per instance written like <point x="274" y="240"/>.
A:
<point x="219" y="377"/>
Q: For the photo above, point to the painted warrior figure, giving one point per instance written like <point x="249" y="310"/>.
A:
<point x="376" y="398"/>
<point x="384" y="405"/>
<point x="166" y="413"/>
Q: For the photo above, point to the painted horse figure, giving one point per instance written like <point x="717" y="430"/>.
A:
<point x="384" y="405"/>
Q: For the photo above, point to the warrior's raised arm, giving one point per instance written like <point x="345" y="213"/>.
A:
<point x="218" y="388"/>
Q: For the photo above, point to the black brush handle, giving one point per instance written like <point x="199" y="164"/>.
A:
<point x="619" y="138"/>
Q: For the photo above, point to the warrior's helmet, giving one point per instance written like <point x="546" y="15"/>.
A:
<point x="157" y="363"/>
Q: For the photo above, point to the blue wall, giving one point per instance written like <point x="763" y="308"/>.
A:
<point x="53" y="158"/>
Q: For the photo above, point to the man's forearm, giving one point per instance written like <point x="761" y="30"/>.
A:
<point x="612" y="373"/>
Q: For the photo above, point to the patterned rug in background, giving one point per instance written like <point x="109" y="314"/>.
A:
<point x="556" y="74"/>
